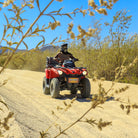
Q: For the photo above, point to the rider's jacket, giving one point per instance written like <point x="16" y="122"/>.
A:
<point x="60" y="57"/>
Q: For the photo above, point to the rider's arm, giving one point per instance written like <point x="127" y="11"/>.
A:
<point x="72" y="57"/>
<point x="57" y="56"/>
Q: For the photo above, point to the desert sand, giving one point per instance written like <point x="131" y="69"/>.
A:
<point x="33" y="110"/>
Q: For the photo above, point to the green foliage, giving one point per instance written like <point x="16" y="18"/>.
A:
<point x="31" y="60"/>
<point x="100" y="62"/>
<point x="103" y="61"/>
<point x="2" y="59"/>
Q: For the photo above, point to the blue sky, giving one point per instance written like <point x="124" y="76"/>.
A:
<point x="70" y="5"/>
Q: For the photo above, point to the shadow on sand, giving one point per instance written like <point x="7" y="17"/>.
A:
<point x="79" y="98"/>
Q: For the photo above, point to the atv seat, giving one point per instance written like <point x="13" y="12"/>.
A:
<point x="50" y="62"/>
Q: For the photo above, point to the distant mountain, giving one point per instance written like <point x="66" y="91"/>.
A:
<point x="49" y="47"/>
<point x="11" y="50"/>
<point x="6" y="50"/>
<point x="45" y="47"/>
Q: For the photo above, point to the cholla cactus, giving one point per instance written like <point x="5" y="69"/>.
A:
<point x="105" y="3"/>
<point x="84" y="12"/>
<point x="102" y="11"/>
<point x="69" y="30"/>
<point x="101" y="2"/>
<point x="90" y="32"/>
<point x="58" y="23"/>
<point x="91" y="13"/>
<point x="14" y="7"/>
<point x="54" y="25"/>
<point x="82" y="31"/>
<point x="9" y="43"/>
<point x="32" y="1"/>
<point x="6" y="3"/>
<point x="92" y="4"/>
<point x="79" y="36"/>
<point x="31" y="6"/>
<point x="109" y="7"/>
<point x="72" y="35"/>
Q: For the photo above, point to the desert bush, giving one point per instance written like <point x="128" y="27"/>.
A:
<point x="101" y="60"/>
<point x="104" y="61"/>
<point x="2" y="60"/>
<point x="104" y="56"/>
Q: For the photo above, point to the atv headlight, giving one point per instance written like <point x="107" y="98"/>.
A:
<point x="84" y="73"/>
<point x="60" y="72"/>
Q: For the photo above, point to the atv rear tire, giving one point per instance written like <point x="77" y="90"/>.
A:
<point x="86" y="88"/>
<point x="73" y="91"/>
<point x="46" y="90"/>
<point x="54" y="88"/>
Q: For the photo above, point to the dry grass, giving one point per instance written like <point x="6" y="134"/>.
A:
<point x="4" y="126"/>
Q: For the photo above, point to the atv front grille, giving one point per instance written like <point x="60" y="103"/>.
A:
<point x="73" y="75"/>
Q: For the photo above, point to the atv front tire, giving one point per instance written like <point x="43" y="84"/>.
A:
<point x="86" y="88"/>
<point x="46" y="90"/>
<point x="54" y="88"/>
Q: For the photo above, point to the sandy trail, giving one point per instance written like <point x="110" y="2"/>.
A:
<point x="33" y="110"/>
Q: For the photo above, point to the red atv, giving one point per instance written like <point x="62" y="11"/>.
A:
<point x="65" y="77"/>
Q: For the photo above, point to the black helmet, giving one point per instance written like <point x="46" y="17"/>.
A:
<point x="64" y="48"/>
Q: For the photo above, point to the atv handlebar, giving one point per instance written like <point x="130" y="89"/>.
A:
<point x="75" y="59"/>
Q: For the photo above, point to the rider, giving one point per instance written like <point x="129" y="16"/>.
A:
<point x="64" y="54"/>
